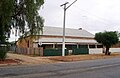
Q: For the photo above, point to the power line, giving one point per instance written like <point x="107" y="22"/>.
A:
<point x="105" y="21"/>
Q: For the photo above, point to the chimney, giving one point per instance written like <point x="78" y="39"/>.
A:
<point x="80" y="29"/>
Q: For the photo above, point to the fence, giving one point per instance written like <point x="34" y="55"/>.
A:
<point x="115" y="50"/>
<point x="79" y="51"/>
<point x="54" y="52"/>
<point x="28" y="51"/>
<point x="95" y="50"/>
<point x="50" y="52"/>
<point x="58" y="52"/>
<point x="100" y="50"/>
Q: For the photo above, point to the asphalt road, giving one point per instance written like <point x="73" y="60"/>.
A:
<point x="104" y="68"/>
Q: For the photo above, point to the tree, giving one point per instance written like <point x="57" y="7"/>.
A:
<point x="6" y="10"/>
<point x="21" y="15"/>
<point x="107" y="38"/>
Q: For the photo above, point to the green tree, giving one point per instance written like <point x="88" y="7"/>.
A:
<point x="6" y="11"/>
<point x="21" y="15"/>
<point x="107" y="38"/>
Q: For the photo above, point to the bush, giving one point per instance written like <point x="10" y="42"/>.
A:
<point x="3" y="52"/>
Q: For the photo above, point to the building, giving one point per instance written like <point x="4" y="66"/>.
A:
<point x="79" y="41"/>
<point x="52" y="38"/>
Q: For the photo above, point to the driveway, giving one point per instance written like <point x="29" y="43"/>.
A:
<point x="25" y="59"/>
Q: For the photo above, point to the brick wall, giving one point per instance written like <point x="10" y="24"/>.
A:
<point x="25" y="42"/>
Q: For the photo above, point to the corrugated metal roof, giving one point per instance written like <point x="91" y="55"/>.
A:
<point x="67" y="40"/>
<point x="57" y="31"/>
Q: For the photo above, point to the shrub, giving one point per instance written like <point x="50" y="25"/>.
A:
<point x="3" y="52"/>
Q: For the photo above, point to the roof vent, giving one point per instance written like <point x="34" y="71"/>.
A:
<point x="80" y="28"/>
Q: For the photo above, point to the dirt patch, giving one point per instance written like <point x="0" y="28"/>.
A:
<point x="83" y="57"/>
<point x="28" y="60"/>
<point x="8" y="61"/>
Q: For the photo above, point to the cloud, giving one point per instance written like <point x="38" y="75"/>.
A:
<point x="91" y="15"/>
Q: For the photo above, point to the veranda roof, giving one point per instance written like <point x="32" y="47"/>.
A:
<point x="67" y="40"/>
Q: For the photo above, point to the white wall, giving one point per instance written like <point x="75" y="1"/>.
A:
<point x="95" y="50"/>
<point x="115" y="50"/>
<point x="100" y="50"/>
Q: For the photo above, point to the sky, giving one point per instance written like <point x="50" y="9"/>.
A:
<point x="91" y="15"/>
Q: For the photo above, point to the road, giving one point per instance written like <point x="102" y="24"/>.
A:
<point x="103" y="68"/>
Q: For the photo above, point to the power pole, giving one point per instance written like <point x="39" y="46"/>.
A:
<point x="63" y="40"/>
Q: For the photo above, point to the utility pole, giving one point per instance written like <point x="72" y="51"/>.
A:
<point x="63" y="40"/>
